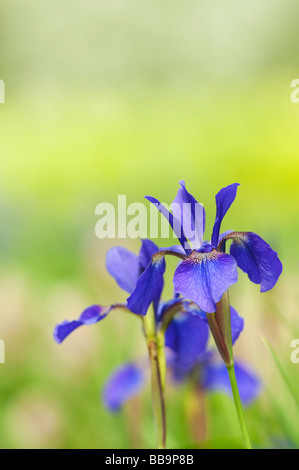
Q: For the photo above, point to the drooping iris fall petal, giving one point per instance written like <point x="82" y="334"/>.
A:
<point x="215" y="378"/>
<point x="237" y="324"/>
<point x="204" y="277"/>
<point x="89" y="316"/>
<point x="187" y="336"/>
<point x="123" y="265"/>
<point x="123" y="384"/>
<point x="148" y="288"/>
<point x="147" y="250"/>
<point x="256" y="258"/>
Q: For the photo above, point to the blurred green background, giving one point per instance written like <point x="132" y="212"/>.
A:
<point x="129" y="97"/>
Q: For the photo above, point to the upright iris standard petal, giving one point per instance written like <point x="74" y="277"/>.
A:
<point x="215" y="377"/>
<point x="122" y="385"/>
<point x="174" y="223"/>
<point x="192" y="215"/>
<point x="224" y="200"/>
<point x="204" y="277"/>
<point x="149" y="287"/>
<point x="147" y="250"/>
<point x="237" y="324"/>
<point x="89" y="316"/>
<point x="256" y="258"/>
<point x="123" y="265"/>
<point x="187" y="336"/>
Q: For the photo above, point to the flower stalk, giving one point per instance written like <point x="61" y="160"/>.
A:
<point x="161" y="358"/>
<point x="220" y="326"/>
<point x="156" y="378"/>
<point x="238" y="405"/>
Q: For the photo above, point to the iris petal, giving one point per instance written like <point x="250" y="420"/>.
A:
<point x="147" y="250"/>
<point x="180" y="373"/>
<point x="123" y="265"/>
<point x="148" y="288"/>
<point x="174" y="223"/>
<point x="256" y="258"/>
<point x="187" y="336"/>
<point x="123" y="384"/>
<point x="237" y="324"/>
<point x="89" y="316"/>
<point x="192" y="215"/>
<point x="224" y="200"/>
<point x="215" y="377"/>
<point x="204" y="277"/>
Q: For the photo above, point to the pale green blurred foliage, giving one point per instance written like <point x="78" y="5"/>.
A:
<point x="127" y="97"/>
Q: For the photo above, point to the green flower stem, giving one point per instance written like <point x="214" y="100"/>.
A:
<point x="220" y="326"/>
<point x="238" y="404"/>
<point x="161" y="358"/>
<point x="157" y="388"/>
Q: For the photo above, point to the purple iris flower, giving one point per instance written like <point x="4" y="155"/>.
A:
<point x="125" y="382"/>
<point x="125" y="267"/>
<point x="186" y="339"/>
<point x="206" y="271"/>
<point x="128" y="379"/>
<point x="209" y="372"/>
<point x="215" y="378"/>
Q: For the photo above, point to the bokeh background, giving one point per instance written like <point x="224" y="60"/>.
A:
<point x="128" y="97"/>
